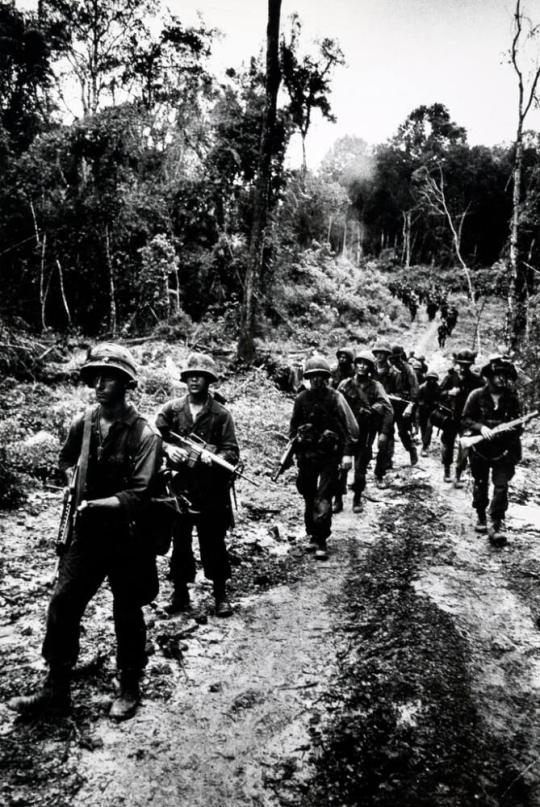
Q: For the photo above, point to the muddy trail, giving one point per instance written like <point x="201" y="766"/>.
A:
<point x="404" y="670"/>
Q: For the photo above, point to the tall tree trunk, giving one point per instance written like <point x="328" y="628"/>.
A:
<point x="42" y="289"/>
<point x="252" y="281"/>
<point x="112" y="285"/>
<point x="517" y="287"/>
<point x="63" y="292"/>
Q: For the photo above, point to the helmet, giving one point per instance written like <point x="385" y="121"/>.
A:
<point x="498" y="364"/>
<point x="367" y="356"/>
<point x="316" y="364"/>
<point x="345" y="351"/>
<point x="398" y="351"/>
<point x="432" y="374"/>
<point x="200" y="364"/>
<point x="465" y="357"/>
<point x="382" y="347"/>
<point x="108" y="356"/>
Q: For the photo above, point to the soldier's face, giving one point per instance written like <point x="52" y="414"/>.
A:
<point x="380" y="357"/>
<point x="343" y="359"/>
<point x="318" y="380"/>
<point x="109" y="388"/>
<point x="362" y="368"/>
<point x="499" y="381"/>
<point x="197" y="384"/>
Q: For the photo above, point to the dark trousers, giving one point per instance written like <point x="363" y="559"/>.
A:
<point x="132" y="577"/>
<point x="211" y="530"/>
<point x="502" y="472"/>
<point x="448" y="440"/>
<point x="363" y="456"/>
<point x="404" y="430"/>
<point x="317" y="482"/>
<point x="426" y="427"/>
<point x="342" y="483"/>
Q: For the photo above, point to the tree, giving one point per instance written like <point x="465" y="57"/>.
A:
<point x="307" y="80"/>
<point x="246" y="343"/>
<point x="97" y="35"/>
<point x="527" y="95"/>
<point x="25" y="76"/>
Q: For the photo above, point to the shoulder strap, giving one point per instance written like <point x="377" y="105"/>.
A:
<point x="83" y="456"/>
<point x="134" y="436"/>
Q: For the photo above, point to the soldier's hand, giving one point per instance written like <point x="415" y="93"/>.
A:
<point x="383" y="440"/>
<point x="176" y="454"/>
<point x="205" y="458"/>
<point x="453" y="392"/>
<point x="346" y="463"/>
<point x="487" y="433"/>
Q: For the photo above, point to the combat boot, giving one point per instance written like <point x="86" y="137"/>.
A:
<point x="223" y="606"/>
<point x="357" y="503"/>
<point x="458" y="483"/>
<point x="413" y="452"/>
<point x="311" y="543"/>
<point x="321" y="552"/>
<point x="481" y="523"/>
<point x="179" y="601"/>
<point x="54" y="697"/>
<point x="447" y="473"/>
<point x="129" y="697"/>
<point x="337" y="507"/>
<point x="496" y="534"/>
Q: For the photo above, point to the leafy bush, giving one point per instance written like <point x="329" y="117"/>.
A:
<point x="12" y="492"/>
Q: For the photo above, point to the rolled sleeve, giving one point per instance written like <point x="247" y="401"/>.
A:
<point x="146" y="464"/>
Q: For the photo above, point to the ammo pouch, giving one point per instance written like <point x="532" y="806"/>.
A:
<point x="160" y="515"/>
<point x="442" y="418"/>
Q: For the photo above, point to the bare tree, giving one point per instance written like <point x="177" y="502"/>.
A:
<point x="432" y="193"/>
<point x="261" y="193"/>
<point x="525" y="33"/>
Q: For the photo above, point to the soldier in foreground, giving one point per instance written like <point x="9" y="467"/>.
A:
<point x="202" y="483"/>
<point x="374" y="414"/>
<point x="324" y="430"/>
<point x="429" y="394"/>
<point x="486" y="409"/>
<point x="117" y="456"/>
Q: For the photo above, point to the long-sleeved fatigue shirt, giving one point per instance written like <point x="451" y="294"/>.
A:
<point x="481" y="410"/>
<point x="326" y="409"/>
<point x="205" y="486"/>
<point x="466" y="384"/>
<point x="124" y="464"/>
<point x="369" y="396"/>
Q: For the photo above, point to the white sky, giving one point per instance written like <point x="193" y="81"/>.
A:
<point x="400" y="54"/>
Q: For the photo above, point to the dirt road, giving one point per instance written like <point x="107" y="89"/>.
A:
<point x="416" y="637"/>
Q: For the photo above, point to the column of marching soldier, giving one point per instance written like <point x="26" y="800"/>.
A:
<point x="113" y="460"/>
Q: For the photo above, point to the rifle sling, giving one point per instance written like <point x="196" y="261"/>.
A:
<point x="83" y="456"/>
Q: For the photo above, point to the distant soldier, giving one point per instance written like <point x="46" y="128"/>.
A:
<point x="203" y="484"/>
<point x="412" y="304"/>
<point x="403" y="392"/>
<point x="431" y="308"/>
<point x="492" y="405"/>
<point x="373" y="411"/>
<point x="117" y="457"/>
<point x="429" y="394"/>
<point x="442" y="333"/>
<point x="451" y="319"/>
<point x="324" y="430"/>
<point x="419" y="369"/>
<point x="456" y="386"/>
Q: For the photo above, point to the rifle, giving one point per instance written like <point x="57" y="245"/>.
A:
<point x="286" y="460"/>
<point x="471" y="440"/>
<point x="68" y="519"/>
<point x="195" y="446"/>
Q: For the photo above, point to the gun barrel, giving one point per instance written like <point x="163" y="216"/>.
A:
<point x="216" y="459"/>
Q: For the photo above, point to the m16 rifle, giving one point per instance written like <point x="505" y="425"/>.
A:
<point x="287" y="459"/>
<point x="195" y="446"/>
<point x="471" y="440"/>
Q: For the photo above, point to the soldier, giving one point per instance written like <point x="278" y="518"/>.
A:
<point x="122" y="455"/>
<point x="429" y="393"/>
<point x="374" y="414"/>
<point x="203" y="484"/>
<point x="385" y="375"/>
<point x="344" y="370"/>
<point x="442" y="333"/>
<point x="451" y="319"/>
<point x="345" y="366"/>
<point x="455" y="389"/>
<point x="403" y="392"/>
<point x="324" y="430"/>
<point x="485" y="408"/>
